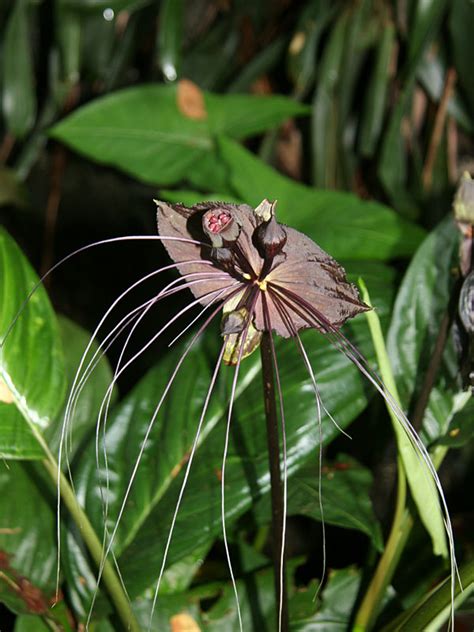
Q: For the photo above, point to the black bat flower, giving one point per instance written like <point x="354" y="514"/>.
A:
<point x="274" y="277"/>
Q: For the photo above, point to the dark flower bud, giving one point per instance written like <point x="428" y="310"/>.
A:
<point x="234" y="322"/>
<point x="466" y="303"/>
<point x="222" y="256"/>
<point x="270" y="238"/>
<point x="220" y="226"/>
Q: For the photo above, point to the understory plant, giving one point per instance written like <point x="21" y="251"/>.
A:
<point x="246" y="405"/>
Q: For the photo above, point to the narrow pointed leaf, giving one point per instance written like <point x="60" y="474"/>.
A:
<point x="18" y="98"/>
<point x="420" y="479"/>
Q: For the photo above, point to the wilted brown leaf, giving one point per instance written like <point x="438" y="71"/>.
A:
<point x="190" y="100"/>
<point x="5" y="393"/>
<point x="183" y="622"/>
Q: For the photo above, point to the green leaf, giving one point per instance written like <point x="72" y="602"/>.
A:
<point x="461" y="427"/>
<point x="325" y="120"/>
<point x="431" y="73"/>
<point x="11" y="190"/>
<point x="433" y="611"/>
<point x="302" y="51"/>
<point x="18" y="99"/>
<point x="341" y="223"/>
<point x="427" y="17"/>
<point x="31" y="357"/>
<point x="30" y="623"/>
<point x="334" y="614"/>
<point x="69" y="37"/>
<point x="421" y="303"/>
<point x="257" y="606"/>
<point x="16" y="439"/>
<point x="27" y="543"/>
<point x="376" y="95"/>
<point x="346" y="486"/>
<point x="59" y="619"/>
<point x="75" y="340"/>
<point x="170" y="36"/>
<point x="461" y="18"/>
<point x="142" y="131"/>
<point x="420" y="479"/>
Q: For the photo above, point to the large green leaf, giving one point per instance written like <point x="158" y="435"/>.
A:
<point x="143" y="131"/>
<point x="17" y="441"/>
<point x="31" y="357"/>
<point x="421" y="303"/>
<point x="346" y="486"/>
<point x="341" y="223"/>
<point x="143" y="530"/>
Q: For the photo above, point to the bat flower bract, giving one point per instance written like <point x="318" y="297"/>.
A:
<point x="273" y="276"/>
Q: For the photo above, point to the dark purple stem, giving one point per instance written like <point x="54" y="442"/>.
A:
<point x="275" y="477"/>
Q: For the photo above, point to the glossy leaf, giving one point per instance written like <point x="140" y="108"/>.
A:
<point x="16" y="440"/>
<point x="345" y="497"/>
<point x="30" y="623"/>
<point x="142" y="130"/>
<point x="27" y="542"/>
<point x="460" y="22"/>
<point x="31" y="357"/>
<point x="338" y="599"/>
<point x="18" y="98"/>
<point x="75" y="340"/>
<point x="170" y="35"/>
<point x="421" y="481"/>
<point x="421" y="304"/>
<point x="341" y="223"/>
<point x="461" y="428"/>
<point x="427" y="16"/>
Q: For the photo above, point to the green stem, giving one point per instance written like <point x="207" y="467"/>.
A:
<point x="402" y="519"/>
<point x="401" y="525"/>
<point x="436" y="605"/>
<point x="111" y="580"/>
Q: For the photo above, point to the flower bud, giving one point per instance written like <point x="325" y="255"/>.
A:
<point x="466" y="303"/>
<point x="270" y="238"/>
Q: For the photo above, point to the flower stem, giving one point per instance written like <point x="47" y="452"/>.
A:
<point x="111" y="580"/>
<point x="275" y="476"/>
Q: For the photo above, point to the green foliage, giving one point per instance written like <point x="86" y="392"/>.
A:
<point x="329" y="108"/>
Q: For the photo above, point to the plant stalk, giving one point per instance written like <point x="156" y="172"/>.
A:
<point x="273" y="443"/>
<point x="111" y="580"/>
<point x="402" y="520"/>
